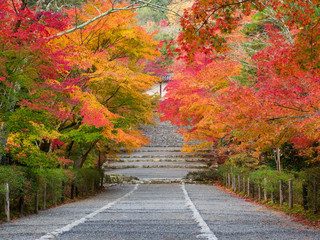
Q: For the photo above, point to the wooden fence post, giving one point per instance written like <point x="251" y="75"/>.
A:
<point x="72" y="191"/>
<point x="77" y="191"/>
<point x="229" y="180"/>
<point x="232" y="183"/>
<point x="101" y="183"/>
<point x="44" y="204"/>
<point x="272" y="194"/>
<point x="226" y="179"/>
<point x="55" y="200"/>
<point x="305" y="196"/>
<point x="290" y="194"/>
<point x="248" y="189"/>
<point x="239" y="184"/>
<point x="36" y="202"/>
<point x="21" y="203"/>
<point x="62" y="192"/>
<point x="315" y="191"/>
<point x="7" y="202"/>
<point x="244" y="185"/>
<point x="280" y="193"/>
<point x="265" y="189"/>
<point x="259" y="192"/>
<point x="253" y="189"/>
<point x="234" y="186"/>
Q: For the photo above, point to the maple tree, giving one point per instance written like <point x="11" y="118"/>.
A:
<point x="109" y="52"/>
<point x="69" y="91"/>
<point x="269" y="93"/>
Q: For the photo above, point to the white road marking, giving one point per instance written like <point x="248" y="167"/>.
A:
<point x="205" y="230"/>
<point x="68" y="227"/>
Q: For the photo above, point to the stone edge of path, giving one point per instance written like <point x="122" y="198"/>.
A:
<point x="205" y="230"/>
<point x="68" y="227"/>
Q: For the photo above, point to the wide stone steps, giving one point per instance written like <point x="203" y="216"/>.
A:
<point x="157" y="159"/>
<point x="155" y="165"/>
<point x="161" y="160"/>
<point x="159" y="154"/>
<point x="159" y="149"/>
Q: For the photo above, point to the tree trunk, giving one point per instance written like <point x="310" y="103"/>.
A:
<point x="79" y="163"/>
<point x="278" y="159"/>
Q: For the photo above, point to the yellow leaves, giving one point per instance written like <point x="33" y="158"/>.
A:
<point x="44" y="133"/>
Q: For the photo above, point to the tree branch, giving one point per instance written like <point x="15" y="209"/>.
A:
<point x="113" y="10"/>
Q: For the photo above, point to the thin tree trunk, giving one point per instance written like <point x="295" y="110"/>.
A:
<point x="278" y="158"/>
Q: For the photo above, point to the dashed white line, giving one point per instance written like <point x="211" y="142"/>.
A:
<point x="205" y="230"/>
<point x="68" y="227"/>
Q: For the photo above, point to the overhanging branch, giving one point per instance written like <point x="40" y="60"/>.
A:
<point x="113" y="10"/>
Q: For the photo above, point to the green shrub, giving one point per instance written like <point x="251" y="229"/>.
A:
<point x="16" y="178"/>
<point x="26" y="182"/>
<point x="203" y="176"/>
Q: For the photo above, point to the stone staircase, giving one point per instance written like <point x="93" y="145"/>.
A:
<point x="161" y="160"/>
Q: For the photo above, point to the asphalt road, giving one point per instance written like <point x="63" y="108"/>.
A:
<point x="158" y="212"/>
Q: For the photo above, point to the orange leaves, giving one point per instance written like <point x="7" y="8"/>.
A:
<point x="93" y="112"/>
<point x="255" y="81"/>
<point x="131" y="139"/>
<point x="193" y="98"/>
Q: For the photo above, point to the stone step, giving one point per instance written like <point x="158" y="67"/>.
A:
<point x="163" y="153"/>
<point x="154" y="165"/>
<point x="142" y="173"/>
<point x="137" y="156"/>
<point x="157" y="163"/>
<point x="153" y="159"/>
<point x="159" y="149"/>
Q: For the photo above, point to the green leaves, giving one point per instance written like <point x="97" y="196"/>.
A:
<point x="84" y="134"/>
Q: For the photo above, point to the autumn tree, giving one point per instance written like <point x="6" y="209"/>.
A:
<point x="68" y="91"/>
<point x="270" y="100"/>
